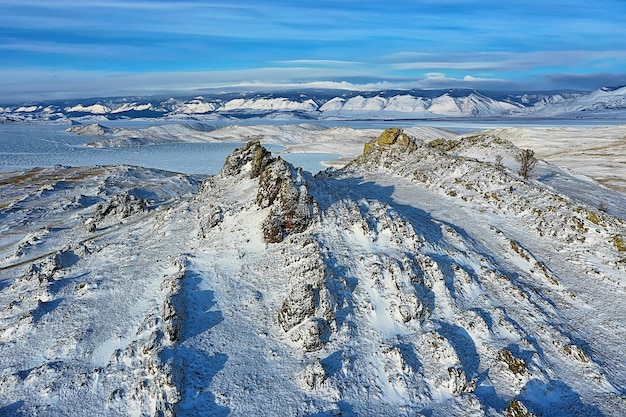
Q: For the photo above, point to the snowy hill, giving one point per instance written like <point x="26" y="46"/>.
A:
<point x="599" y="152"/>
<point x="322" y="104"/>
<point x="424" y="278"/>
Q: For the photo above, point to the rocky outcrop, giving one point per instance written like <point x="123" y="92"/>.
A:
<point x="292" y="208"/>
<point x="116" y="209"/>
<point x="251" y="158"/>
<point x="391" y="137"/>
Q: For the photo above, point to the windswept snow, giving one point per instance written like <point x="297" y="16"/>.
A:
<point x="421" y="279"/>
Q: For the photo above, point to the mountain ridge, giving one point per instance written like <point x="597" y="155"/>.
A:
<point x="416" y="104"/>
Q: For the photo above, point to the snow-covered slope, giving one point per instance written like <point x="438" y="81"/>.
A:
<point x="422" y="279"/>
<point x="195" y="106"/>
<point x="133" y="107"/>
<point x="305" y="137"/>
<point x="268" y="104"/>
<point x="93" y="109"/>
<point x="599" y="152"/>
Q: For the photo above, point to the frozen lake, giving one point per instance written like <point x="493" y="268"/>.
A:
<point x="24" y="146"/>
<point x="30" y="146"/>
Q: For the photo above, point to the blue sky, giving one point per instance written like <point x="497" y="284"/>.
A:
<point x="72" y="48"/>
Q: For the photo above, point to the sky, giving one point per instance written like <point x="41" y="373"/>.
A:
<point x="77" y="48"/>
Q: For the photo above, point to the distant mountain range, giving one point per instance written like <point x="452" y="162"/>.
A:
<point x="335" y="104"/>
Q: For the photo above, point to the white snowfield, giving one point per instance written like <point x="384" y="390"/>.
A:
<point x="426" y="277"/>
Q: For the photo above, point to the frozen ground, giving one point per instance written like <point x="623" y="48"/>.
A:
<point x="418" y="280"/>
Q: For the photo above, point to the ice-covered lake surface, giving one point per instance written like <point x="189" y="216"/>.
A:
<point x="24" y="146"/>
<point x="31" y="146"/>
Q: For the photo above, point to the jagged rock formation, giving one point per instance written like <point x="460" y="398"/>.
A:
<point x="292" y="208"/>
<point x="252" y="157"/>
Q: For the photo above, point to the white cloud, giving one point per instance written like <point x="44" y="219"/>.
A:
<point x="500" y="61"/>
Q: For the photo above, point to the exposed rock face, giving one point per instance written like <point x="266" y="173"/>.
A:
<point x="283" y="188"/>
<point x="298" y="306"/>
<point x="117" y="208"/>
<point x="252" y="158"/>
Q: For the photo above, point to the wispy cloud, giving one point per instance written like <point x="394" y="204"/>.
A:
<point x="501" y="61"/>
<point x="277" y="42"/>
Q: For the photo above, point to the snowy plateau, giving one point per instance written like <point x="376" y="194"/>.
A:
<point x="419" y="275"/>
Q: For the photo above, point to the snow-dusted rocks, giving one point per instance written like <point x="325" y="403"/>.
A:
<point x="285" y="191"/>
<point x="251" y="158"/>
<point x="116" y="209"/>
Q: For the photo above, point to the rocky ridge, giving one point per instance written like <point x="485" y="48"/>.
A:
<point x="423" y="278"/>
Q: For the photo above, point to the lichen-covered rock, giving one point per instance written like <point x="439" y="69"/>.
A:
<point x="391" y="137"/>
<point x="517" y="409"/>
<point x="444" y="145"/>
<point x="283" y="188"/>
<point x="515" y="365"/>
<point x="252" y="158"/>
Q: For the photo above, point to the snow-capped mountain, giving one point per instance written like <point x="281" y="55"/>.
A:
<point x="196" y="105"/>
<point x="604" y="100"/>
<point x="268" y="104"/>
<point x="93" y="109"/>
<point x="424" y="278"/>
<point x="472" y="105"/>
<point x="319" y="104"/>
